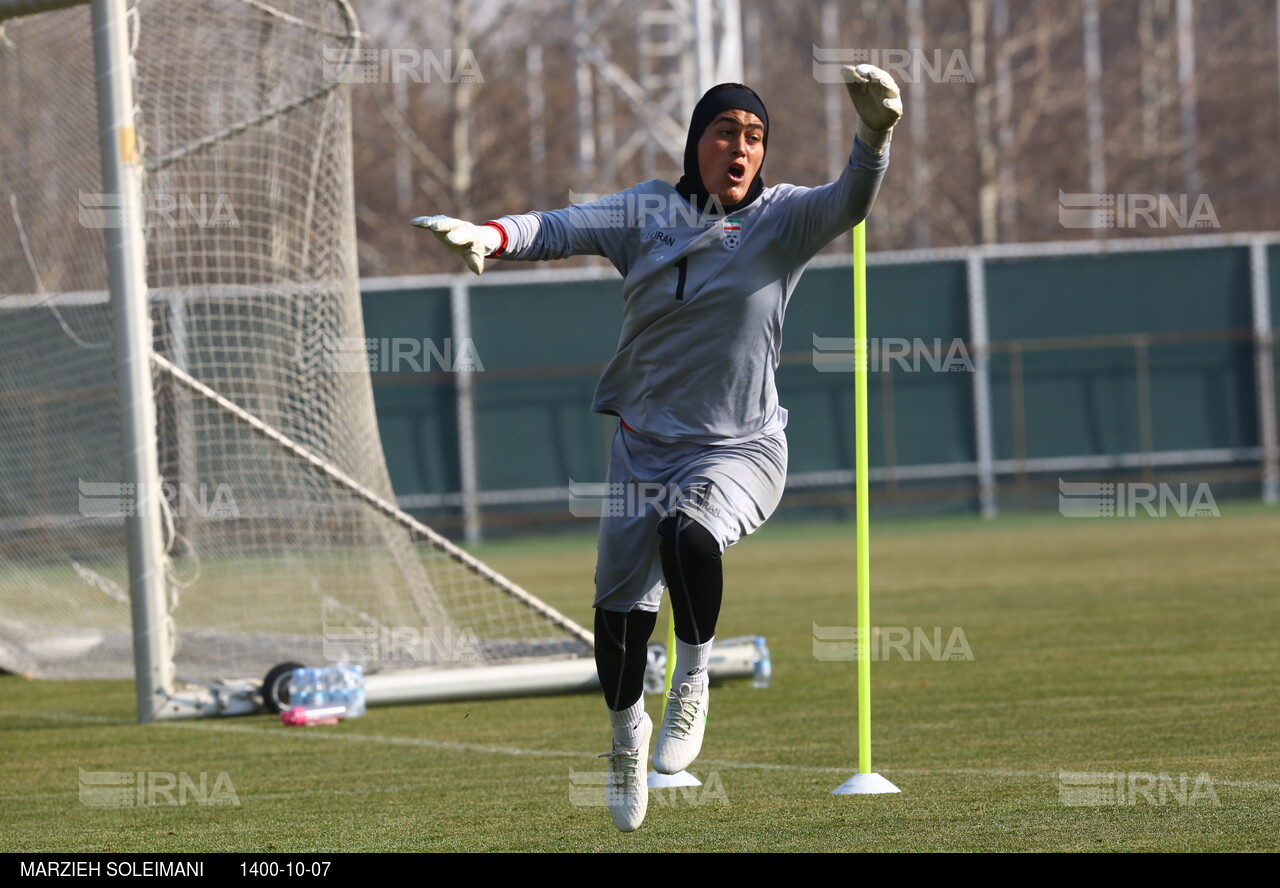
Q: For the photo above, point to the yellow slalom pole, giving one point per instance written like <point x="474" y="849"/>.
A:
<point x="671" y="649"/>
<point x="865" y="781"/>
<point x="860" y="372"/>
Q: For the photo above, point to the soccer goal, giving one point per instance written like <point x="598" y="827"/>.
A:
<point x="192" y="484"/>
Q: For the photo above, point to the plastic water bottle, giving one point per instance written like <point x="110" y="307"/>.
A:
<point x="318" y="690"/>
<point x="306" y="688"/>
<point x="334" y="686"/>
<point x="763" y="675"/>
<point x="296" y="681"/>
<point x="325" y="695"/>
<point x="353" y="689"/>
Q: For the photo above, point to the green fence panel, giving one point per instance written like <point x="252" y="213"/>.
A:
<point x="543" y="347"/>
<point x="1156" y="292"/>
<point x="931" y="405"/>
<point x="414" y="398"/>
<point x="1089" y="400"/>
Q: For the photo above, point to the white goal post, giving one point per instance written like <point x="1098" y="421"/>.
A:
<point x="192" y="485"/>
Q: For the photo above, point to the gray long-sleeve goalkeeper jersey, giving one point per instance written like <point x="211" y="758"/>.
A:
<point x="703" y="297"/>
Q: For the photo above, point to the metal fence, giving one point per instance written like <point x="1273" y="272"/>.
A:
<point x="1124" y="359"/>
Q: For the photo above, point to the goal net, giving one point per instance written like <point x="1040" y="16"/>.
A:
<point x="280" y="538"/>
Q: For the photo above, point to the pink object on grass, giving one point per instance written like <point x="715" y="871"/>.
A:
<point x="300" y="715"/>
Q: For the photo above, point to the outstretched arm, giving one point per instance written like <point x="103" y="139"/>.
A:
<point x="816" y="216"/>
<point x="599" y="228"/>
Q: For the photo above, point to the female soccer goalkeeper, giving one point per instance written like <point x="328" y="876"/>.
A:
<point x="709" y="266"/>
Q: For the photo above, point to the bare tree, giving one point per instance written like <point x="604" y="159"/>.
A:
<point x="1180" y="106"/>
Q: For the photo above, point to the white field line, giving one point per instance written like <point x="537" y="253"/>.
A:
<point x="422" y="742"/>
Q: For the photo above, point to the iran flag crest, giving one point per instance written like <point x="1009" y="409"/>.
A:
<point x="732" y="233"/>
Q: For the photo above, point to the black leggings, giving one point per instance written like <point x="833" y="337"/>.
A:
<point x="622" y="641"/>
<point x="692" y="568"/>
<point x="694" y="573"/>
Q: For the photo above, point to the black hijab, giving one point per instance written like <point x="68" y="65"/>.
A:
<point x="724" y="97"/>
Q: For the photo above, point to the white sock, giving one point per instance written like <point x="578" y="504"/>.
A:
<point x="628" y="724"/>
<point x="691" y="664"/>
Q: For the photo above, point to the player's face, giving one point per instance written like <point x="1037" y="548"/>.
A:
<point x="730" y="153"/>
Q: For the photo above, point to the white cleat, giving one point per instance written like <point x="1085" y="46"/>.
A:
<point x="627" y="789"/>
<point x="683" y="724"/>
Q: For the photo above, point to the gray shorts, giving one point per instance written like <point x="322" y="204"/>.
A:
<point x="729" y="489"/>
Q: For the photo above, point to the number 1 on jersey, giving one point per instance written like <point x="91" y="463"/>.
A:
<point x="683" y="268"/>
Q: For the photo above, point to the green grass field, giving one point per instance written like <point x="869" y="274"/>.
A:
<point x="1123" y="647"/>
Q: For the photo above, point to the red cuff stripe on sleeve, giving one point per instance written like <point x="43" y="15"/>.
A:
<point x="502" y="247"/>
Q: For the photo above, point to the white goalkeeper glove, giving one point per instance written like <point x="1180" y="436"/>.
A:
<point x="472" y="242"/>
<point x="878" y="101"/>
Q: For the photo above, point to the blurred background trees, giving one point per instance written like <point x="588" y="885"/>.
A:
<point x="1008" y="102"/>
